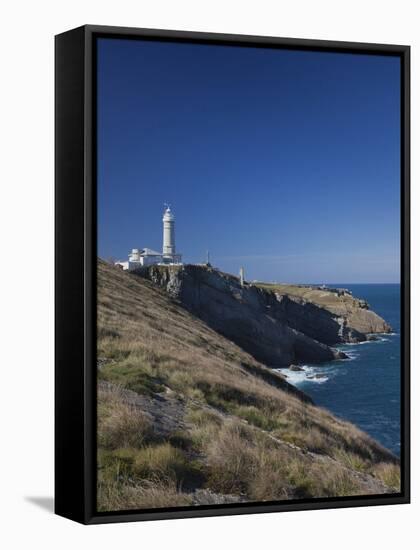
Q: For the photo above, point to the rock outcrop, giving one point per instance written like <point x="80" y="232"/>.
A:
<point x="331" y="316"/>
<point x="276" y="328"/>
<point x="333" y="325"/>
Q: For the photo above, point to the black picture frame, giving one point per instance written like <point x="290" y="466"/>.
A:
<point x="75" y="273"/>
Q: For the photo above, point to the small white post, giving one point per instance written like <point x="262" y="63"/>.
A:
<point x="241" y="276"/>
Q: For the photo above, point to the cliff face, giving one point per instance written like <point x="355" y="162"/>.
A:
<point x="331" y="316"/>
<point x="336" y="324"/>
<point x="276" y="328"/>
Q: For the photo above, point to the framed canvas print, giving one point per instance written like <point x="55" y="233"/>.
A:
<point x="232" y="274"/>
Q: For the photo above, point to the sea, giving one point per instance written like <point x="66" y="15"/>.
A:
<point x="365" y="389"/>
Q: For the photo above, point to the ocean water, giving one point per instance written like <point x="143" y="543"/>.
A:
<point x="366" y="388"/>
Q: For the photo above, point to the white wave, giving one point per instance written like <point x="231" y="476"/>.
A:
<point x="318" y="380"/>
<point x="377" y="339"/>
<point x="351" y="356"/>
<point x="307" y="374"/>
<point x="349" y="348"/>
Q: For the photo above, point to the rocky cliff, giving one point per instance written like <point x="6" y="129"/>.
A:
<point x="276" y="327"/>
<point x="331" y="316"/>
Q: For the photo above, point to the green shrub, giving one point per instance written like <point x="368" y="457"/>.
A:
<point x="166" y="462"/>
<point x="351" y="460"/>
<point x="132" y="374"/>
<point x="257" y="417"/>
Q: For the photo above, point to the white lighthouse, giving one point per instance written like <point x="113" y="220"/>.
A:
<point x="144" y="257"/>
<point x="168" y="232"/>
<point x="168" y="250"/>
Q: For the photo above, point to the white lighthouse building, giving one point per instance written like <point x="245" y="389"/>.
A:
<point x="168" y="232"/>
<point x="169" y="255"/>
<point x="142" y="257"/>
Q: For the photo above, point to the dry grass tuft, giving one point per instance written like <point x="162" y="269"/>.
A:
<point x="146" y="494"/>
<point x="390" y="474"/>
<point x="119" y="424"/>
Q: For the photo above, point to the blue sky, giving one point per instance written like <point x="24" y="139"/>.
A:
<point x="284" y="162"/>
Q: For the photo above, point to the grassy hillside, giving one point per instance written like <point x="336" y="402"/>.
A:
<point x="186" y="417"/>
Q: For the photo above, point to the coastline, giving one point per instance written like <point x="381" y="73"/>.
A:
<point x="365" y="388"/>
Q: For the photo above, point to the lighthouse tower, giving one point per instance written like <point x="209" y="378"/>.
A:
<point x="168" y="252"/>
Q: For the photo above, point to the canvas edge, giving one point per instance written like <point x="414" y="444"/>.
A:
<point x="83" y="487"/>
